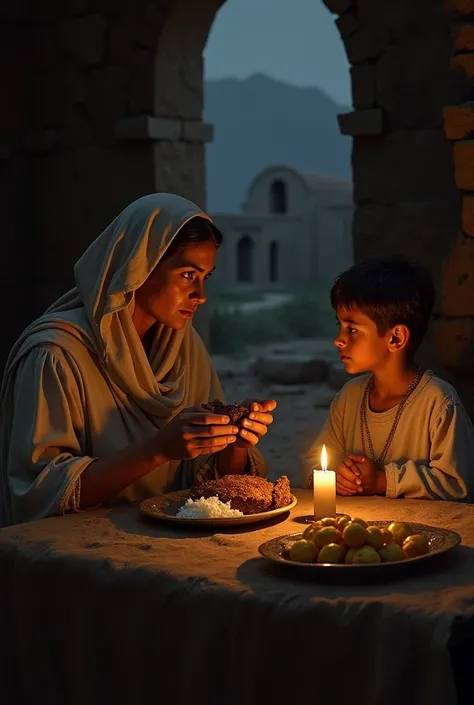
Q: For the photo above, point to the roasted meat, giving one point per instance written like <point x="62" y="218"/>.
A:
<point x="235" y="412"/>
<point x="281" y="492"/>
<point x="247" y="493"/>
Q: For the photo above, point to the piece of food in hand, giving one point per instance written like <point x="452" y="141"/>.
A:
<point x="400" y="531"/>
<point x="355" y="535"/>
<point x="328" y="534"/>
<point x="342" y="521"/>
<point x="331" y="553"/>
<point x="391" y="552"/>
<point x="365" y="554"/>
<point x="416" y="545"/>
<point x="303" y="551"/>
<point x="375" y="538"/>
<point x="235" y="412"/>
<point x="248" y="493"/>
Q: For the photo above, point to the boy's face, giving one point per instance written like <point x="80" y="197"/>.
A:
<point x="360" y="346"/>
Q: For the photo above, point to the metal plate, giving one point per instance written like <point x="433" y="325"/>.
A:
<point x="165" y="506"/>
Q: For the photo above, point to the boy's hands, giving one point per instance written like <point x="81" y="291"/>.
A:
<point x="374" y="480"/>
<point x="359" y="475"/>
<point x="348" y="478"/>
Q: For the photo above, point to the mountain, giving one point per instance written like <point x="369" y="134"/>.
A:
<point x="260" y="121"/>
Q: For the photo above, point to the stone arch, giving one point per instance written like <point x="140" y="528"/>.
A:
<point x="273" y="262"/>
<point x="278" y="197"/>
<point x="245" y="260"/>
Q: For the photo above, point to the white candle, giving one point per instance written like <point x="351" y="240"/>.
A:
<point x="324" y="489"/>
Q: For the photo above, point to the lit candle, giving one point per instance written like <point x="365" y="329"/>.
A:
<point x="324" y="489"/>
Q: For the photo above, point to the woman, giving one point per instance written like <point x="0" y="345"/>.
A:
<point x="101" y="395"/>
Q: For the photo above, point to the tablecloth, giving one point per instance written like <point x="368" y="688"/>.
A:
<point x="110" y="607"/>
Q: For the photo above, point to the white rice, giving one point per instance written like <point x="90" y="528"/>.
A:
<point x="210" y="508"/>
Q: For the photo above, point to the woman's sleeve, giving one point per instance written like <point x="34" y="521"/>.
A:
<point x="42" y="429"/>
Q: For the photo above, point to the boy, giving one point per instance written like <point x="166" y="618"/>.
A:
<point x="398" y="431"/>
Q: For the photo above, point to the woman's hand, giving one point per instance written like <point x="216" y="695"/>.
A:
<point x="195" y="432"/>
<point x="256" y="424"/>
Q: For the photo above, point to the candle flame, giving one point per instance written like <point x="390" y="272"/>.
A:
<point x="324" y="459"/>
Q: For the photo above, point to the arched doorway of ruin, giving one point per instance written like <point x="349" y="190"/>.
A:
<point x="278" y="197"/>
<point x="273" y="263"/>
<point x="245" y="260"/>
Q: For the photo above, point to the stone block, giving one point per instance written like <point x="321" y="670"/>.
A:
<point x="127" y="35"/>
<point x="366" y="43"/>
<point x="195" y="131"/>
<point x="179" y="168"/>
<point x="464" y="63"/>
<point x="462" y="7"/>
<point x="406" y="165"/>
<point x="148" y="128"/>
<point x="458" y="121"/>
<point x="41" y="141"/>
<point x="457" y="284"/>
<point x="363" y="86"/>
<point x="405" y="89"/>
<point x="347" y="24"/>
<point x="106" y="101"/>
<point x="83" y="38"/>
<point x="468" y="215"/>
<point x="463" y="37"/>
<point x="464" y="164"/>
<point x="361" y="123"/>
<point x="141" y="89"/>
<point x="294" y="369"/>
<point x="454" y="342"/>
<point x="425" y="230"/>
<point x="337" y="7"/>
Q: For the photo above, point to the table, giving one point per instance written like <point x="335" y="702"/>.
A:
<point x="109" y="607"/>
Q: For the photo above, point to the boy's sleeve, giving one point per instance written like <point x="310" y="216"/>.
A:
<point x="331" y="435"/>
<point x="449" y="474"/>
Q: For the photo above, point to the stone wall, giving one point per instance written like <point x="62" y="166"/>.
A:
<point x="103" y="104"/>
<point x="412" y="73"/>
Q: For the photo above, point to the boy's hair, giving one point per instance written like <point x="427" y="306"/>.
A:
<point x="390" y="291"/>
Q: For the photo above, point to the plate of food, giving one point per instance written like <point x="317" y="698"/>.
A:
<point x="344" y="543"/>
<point x="230" y="500"/>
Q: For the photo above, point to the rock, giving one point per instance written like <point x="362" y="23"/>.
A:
<point x="463" y="166"/>
<point x="457" y="284"/>
<point x="338" y="376"/>
<point x="406" y="166"/>
<point x="294" y="369"/>
<point x="363" y="86"/>
<point x="278" y="389"/>
<point x="468" y="215"/>
<point x="361" y="122"/>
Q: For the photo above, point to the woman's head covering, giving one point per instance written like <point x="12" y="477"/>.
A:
<point x="97" y="312"/>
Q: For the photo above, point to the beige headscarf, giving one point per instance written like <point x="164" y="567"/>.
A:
<point x="97" y="314"/>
